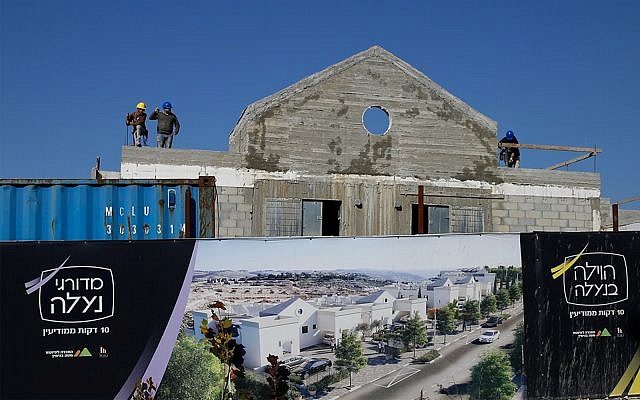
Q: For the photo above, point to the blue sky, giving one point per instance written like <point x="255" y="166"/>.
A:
<point x="564" y="73"/>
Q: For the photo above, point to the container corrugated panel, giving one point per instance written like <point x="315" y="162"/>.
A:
<point x="89" y="210"/>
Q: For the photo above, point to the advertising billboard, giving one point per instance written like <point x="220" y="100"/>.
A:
<point x="582" y="314"/>
<point x="89" y="319"/>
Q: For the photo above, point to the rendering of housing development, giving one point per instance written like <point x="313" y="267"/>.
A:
<point x="287" y="328"/>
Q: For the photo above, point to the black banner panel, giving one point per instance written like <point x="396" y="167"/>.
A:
<point x="582" y="314"/>
<point x="86" y="320"/>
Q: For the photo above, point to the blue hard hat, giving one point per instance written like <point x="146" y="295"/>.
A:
<point x="166" y="104"/>
<point x="510" y="135"/>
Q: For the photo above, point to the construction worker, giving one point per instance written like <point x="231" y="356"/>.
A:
<point x="510" y="155"/>
<point x="137" y="120"/>
<point x="168" y="125"/>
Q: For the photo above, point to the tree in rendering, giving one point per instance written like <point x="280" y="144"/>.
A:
<point x="446" y="320"/>
<point x="515" y="292"/>
<point x="364" y="328"/>
<point x="376" y="324"/>
<point x="414" y="333"/>
<point x="491" y="378"/>
<point x="470" y="312"/>
<point x="502" y="299"/>
<point x="349" y="353"/>
<point x="193" y="373"/>
<point x="515" y="357"/>
<point x="488" y="305"/>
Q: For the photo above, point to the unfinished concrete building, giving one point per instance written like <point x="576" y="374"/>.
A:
<point x="301" y="162"/>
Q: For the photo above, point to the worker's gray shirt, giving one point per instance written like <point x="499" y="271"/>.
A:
<point x="166" y="122"/>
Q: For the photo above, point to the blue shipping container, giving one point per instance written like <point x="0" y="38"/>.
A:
<point x="105" y="209"/>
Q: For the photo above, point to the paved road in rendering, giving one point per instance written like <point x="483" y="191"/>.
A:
<point x="453" y="367"/>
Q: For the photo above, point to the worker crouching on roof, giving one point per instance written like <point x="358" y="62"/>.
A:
<point x="168" y="125"/>
<point x="510" y="155"/>
<point x="137" y="120"/>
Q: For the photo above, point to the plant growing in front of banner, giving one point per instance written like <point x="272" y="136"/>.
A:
<point x="278" y="378"/>
<point x="223" y="345"/>
<point x="144" y="390"/>
<point x="491" y="378"/>
<point x="193" y="373"/>
<point x="254" y="386"/>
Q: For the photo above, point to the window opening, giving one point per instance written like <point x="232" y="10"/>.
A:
<point x="376" y="120"/>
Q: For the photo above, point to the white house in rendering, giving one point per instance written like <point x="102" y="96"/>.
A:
<point x="306" y="316"/>
<point x="273" y="334"/>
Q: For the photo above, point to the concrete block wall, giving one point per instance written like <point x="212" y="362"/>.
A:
<point x="235" y="211"/>
<point x="538" y="213"/>
<point x="273" y="208"/>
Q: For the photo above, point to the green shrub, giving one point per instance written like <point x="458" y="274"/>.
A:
<point x="428" y="356"/>
<point x="295" y="378"/>
<point x="321" y="385"/>
<point x="340" y="375"/>
<point x="328" y="380"/>
<point x="393" y="352"/>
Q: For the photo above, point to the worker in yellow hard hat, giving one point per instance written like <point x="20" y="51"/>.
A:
<point x="137" y="120"/>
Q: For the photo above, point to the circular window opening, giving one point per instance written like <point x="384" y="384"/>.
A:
<point x="376" y="120"/>
<point x="299" y="311"/>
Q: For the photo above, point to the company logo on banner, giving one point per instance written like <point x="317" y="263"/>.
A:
<point x="594" y="279"/>
<point x="74" y="294"/>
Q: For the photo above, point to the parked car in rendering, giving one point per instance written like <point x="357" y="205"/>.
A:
<point x="489" y="336"/>
<point x="314" y="366"/>
<point x="492" y="321"/>
<point x="293" y="361"/>
<point x="329" y="338"/>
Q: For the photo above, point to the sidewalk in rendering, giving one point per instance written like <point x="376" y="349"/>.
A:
<point x="379" y="367"/>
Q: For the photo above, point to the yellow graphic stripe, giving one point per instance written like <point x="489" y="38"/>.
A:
<point x="635" y="387"/>
<point x="564" y="267"/>
<point x="627" y="376"/>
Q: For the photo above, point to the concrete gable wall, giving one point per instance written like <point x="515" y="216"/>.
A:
<point x="319" y="129"/>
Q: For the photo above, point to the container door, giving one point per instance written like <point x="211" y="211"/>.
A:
<point x="311" y="218"/>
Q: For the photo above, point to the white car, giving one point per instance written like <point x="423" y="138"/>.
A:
<point x="329" y="338"/>
<point x="489" y="336"/>
<point x="293" y="361"/>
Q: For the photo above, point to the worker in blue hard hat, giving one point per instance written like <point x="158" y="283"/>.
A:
<point x="510" y="155"/>
<point x="168" y="125"/>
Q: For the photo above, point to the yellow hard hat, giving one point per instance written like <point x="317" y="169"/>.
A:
<point x="141" y="105"/>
